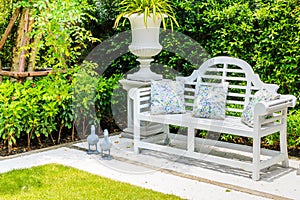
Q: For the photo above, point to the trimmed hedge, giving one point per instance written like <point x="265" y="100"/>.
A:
<point x="265" y="33"/>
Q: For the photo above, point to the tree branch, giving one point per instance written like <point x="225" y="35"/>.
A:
<point x="9" y="27"/>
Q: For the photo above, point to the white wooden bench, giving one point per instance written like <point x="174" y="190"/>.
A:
<point x="243" y="83"/>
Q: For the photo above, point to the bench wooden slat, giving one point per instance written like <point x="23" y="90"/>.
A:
<point x="236" y="94"/>
<point x="273" y="119"/>
<point x="212" y="69"/>
<point x="235" y="102"/>
<point x="145" y="98"/>
<point x="145" y="89"/>
<point x="234" y="110"/>
<point x="147" y="105"/>
<point x="196" y="155"/>
<point x="189" y="97"/>
<point x="189" y="89"/>
<point x="189" y="104"/>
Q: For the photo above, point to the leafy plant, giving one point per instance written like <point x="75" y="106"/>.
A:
<point x="84" y="83"/>
<point x="294" y="129"/>
<point x="156" y="8"/>
<point x="31" y="109"/>
<point x="10" y="113"/>
<point x="57" y="32"/>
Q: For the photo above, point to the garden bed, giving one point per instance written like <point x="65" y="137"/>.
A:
<point x="21" y="147"/>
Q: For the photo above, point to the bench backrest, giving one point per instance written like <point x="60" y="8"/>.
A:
<point x="243" y="83"/>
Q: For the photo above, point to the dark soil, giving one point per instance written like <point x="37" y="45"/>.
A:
<point x="22" y="147"/>
<point x="66" y="138"/>
<point x="295" y="152"/>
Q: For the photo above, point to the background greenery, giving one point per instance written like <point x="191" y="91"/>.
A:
<point x="265" y="33"/>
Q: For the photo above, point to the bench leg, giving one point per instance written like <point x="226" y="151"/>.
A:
<point x="256" y="158"/>
<point x="283" y="142"/>
<point x="136" y="136"/>
<point x="167" y="140"/>
<point x="191" y="140"/>
<point x="283" y="149"/>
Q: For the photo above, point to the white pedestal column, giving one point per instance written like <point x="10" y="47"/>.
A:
<point x="144" y="74"/>
<point x="147" y="128"/>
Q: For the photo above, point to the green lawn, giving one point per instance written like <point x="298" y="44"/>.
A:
<point x="55" y="181"/>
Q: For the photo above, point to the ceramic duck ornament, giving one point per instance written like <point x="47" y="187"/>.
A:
<point x="92" y="140"/>
<point x="105" y="145"/>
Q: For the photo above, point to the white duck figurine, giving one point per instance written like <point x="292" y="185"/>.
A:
<point x="92" y="140"/>
<point x="105" y="145"/>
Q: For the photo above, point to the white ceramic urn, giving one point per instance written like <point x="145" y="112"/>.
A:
<point x="145" y="44"/>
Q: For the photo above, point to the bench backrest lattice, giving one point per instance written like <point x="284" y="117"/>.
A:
<point x="243" y="83"/>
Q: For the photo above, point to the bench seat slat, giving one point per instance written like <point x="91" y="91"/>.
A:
<point x="231" y="125"/>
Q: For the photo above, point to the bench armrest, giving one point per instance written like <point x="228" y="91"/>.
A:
<point x="132" y="92"/>
<point x="265" y="108"/>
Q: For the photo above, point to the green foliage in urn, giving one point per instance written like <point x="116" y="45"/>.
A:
<point x="158" y="8"/>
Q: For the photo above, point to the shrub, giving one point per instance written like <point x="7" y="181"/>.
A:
<point x="30" y="109"/>
<point x="265" y="33"/>
<point x="294" y="129"/>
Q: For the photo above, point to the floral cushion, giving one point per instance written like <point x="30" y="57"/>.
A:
<point x="210" y="101"/>
<point x="167" y="97"/>
<point x="261" y="95"/>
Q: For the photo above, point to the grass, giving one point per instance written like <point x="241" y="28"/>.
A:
<point x="53" y="181"/>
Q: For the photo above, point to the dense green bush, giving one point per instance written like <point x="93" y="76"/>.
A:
<point x="29" y="110"/>
<point x="265" y="33"/>
<point x="41" y="108"/>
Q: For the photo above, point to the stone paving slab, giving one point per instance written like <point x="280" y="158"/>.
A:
<point x="187" y="178"/>
<point x="275" y="183"/>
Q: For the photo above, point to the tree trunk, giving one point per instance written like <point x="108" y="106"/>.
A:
<point x="24" y="41"/>
<point x="0" y="71"/>
<point x="34" y="51"/>
<point x="9" y="27"/>
<point x="18" y="44"/>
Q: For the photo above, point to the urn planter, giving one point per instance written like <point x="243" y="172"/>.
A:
<point x="145" y="44"/>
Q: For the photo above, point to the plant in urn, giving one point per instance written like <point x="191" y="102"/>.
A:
<point x="145" y="19"/>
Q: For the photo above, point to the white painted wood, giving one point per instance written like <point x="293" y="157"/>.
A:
<point x="203" y="144"/>
<point x="196" y="155"/>
<point x="243" y="83"/>
<point x="136" y="122"/>
<point x="234" y="110"/>
<point x="283" y="142"/>
<point x="266" y="163"/>
<point x="236" y="94"/>
<point x="191" y="140"/>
